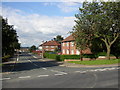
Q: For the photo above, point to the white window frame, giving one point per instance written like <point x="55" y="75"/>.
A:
<point x="63" y="51"/>
<point x="72" y="51"/>
<point x="52" y="46"/>
<point x="72" y="43"/>
<point x="67" y="51"/>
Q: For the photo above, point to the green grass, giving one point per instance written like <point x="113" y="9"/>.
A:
<point x="97" y="62"/>
<point x="0" y="64"/>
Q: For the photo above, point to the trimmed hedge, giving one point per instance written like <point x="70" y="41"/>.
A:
<point x="91" y="56"/>
<point x="62" y="57"/>
<point x="50" y="56"/>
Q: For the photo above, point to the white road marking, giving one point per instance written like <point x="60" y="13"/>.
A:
<point x="29" y="60"/>
<point x="34" y="56"/>
<point x="43" y="76"/>
<point x="17" y="59"/>
<point x="25" y="77"/>
<point x="5" y="78"/>
<point x="44" y="68"/>
<point x="58" y="74"/>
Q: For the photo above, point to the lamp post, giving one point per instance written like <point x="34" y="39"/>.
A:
<point x="42" y="50"/>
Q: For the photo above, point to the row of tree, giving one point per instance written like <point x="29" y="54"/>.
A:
<point x="9" y="38"/>
<point x="98" y="27"/>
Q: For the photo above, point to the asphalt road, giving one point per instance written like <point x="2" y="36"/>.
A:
<point x="32" y="72"/>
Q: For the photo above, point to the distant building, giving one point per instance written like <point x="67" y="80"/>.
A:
<point x="68" y="47"/>
<point x="24" y="49"/>
<point x="50" y="46"/>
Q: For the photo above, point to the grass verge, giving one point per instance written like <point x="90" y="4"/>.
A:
<point x="97" y="62"/>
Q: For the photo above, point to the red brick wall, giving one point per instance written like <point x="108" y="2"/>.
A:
<point x="71" y="47"/>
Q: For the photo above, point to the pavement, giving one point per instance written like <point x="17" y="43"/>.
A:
<point x="67" y="64"/>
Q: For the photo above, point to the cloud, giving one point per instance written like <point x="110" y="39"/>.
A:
<point x="34" y="28"/>
<point x="67" y="7"/>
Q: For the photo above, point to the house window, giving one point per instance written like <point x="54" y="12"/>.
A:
<point x="77" y="52"/>
<point x="63" y="51"/>
<point x="52" y="49"/>
<point x="46" y="49"/>
<point x="67" y="44"/>
<point x="72" y="51"/>
<point x="72" y="44"/>
<point x="63" y="44"/>
<point x="52" y="46"/>
<point x="46" y="46"/>
<point x="67" y="51"/>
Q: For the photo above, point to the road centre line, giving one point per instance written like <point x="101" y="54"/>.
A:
<point x="25" y="77"/>
<point x="43" y="76"/>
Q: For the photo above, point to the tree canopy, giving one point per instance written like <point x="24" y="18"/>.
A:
<point x="9" y="38"/>
<point x="98" y="20"/>
<point x="58" y="38"/>
<point x="33" y="47"/>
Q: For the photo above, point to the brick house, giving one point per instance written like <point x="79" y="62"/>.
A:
<point x="68" y="47"/>
<point x="50" y="46"/>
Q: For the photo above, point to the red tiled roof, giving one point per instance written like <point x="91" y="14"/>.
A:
<point x="69" y="38"/>
<point x="51" y="43"/>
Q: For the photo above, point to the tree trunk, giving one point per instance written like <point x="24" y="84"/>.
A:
<point x="81" y="57"/>
<point x="108" y="52"/>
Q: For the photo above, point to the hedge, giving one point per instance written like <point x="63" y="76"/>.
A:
<point x="62" y="57"/>
<point x="50" y="56"/>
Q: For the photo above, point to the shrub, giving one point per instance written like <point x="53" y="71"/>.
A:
<point x="5" y="58"/>
<point x="62" y="57"/>
<point x="91" y="56"/>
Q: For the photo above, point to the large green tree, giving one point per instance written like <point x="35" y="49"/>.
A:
<point x="33" y="47"/>
<point x="58" y="38"/>
<point x="9" y="38"/>
<point x="100" y="20"/>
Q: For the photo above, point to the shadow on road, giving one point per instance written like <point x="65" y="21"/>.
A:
<point x="22" y="66"/>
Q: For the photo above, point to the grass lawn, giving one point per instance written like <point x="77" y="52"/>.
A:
<point x="97" y="62"/>
<point x="0" y="64"/>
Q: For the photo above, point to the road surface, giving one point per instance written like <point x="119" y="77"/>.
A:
<point x="32" y="72"/>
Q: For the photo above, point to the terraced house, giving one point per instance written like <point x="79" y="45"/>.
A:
<point x="68" y="47"/>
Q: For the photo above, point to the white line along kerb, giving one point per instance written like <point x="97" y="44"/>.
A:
<point x="43" y="75"/>
<point x="5" y="78"/>
<point x="25" y="77"/>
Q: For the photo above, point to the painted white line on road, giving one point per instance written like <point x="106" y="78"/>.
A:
<point x="34" y="56"/>
<point x="58" y="74"/>
<point x="5" y="78"/>
<point x="29" y="60"/>
<point x="25" y="77"/>
<point x="44" y="68"/>
<point x="17" y="59"/>
<point x="43" y="76"/>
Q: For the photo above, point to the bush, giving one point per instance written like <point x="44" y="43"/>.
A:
<point x="5" y="58"/>
<point x="62" y="57"/>
<point x="50" y="56"/>
<point x="91" y="56"/>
